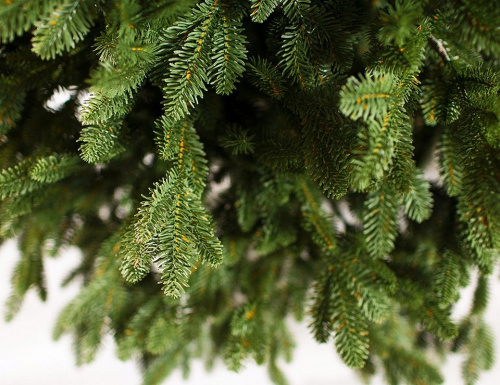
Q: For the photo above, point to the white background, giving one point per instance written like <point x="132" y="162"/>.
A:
<point x="28" y="355"/>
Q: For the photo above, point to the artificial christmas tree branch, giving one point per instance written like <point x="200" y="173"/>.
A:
<point x="225" y="164"/>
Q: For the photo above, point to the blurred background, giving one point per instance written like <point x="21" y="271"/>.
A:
<point x="28" y="355"/>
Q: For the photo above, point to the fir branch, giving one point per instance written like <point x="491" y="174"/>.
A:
<point x="53" y="168"/>
<point x="137" y="329"/>
<point x="367" y="98"/>
<point x="417" y="203"/>
<point x="267" y="78"/>
<point x="438" y="321"/>
<point x="136" y="258"/>
<point x="316" y="220"/>
<point x="100" y="143"/>
<point x="102" y="110"/>
<point x="400" y="359"/>
<point x="295" y="9"/>
<point x="208" y="245"/>
<point x="161" y="367"/>
<point x="322" y="308"/>
<point x="176" y="255"/>
<point x="261" y="9"/>
<point x="106" y="297"/>
<point x="399" y="21"/>
<point x="348" y="99"/>
<point x="29" y="272"/>
<point x="477" y="207"/>
<point x="188" y="73"/>
<point x="295" y="53"/>
<point x="178" y="142"/>
<point x="351" y="331"/>
<point x="447" y="279"/>
<point x="239" y="141"/>
<point x="65" y="26"/>
<point x="155" y="211"/>
<point x="174" y="230"/>
<point x="16" y="17"/>
<point x="381" y="221"/>
<point x="15" y="181"/>
<point x="480" y="300"/>
<point x="229" y="54"/>
<point x="451" y="168"/>
<point x="111" y="82"/>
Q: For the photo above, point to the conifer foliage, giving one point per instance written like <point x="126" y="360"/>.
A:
<point x="224" y="165"/>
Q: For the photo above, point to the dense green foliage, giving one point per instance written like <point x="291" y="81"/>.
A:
<point x="226" y="164"/>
